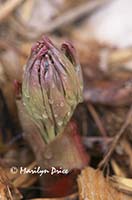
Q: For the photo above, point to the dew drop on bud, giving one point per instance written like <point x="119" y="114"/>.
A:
<point x="34" y="84"/>
<point x="60" y="123"/>
<point x="27" y="96"/>
<point x="44" y="116"/>
<point x="78" y="69"/>
<point x="50" y="101"/>
<point x="68" y="114"/>
<point x="53" y="86"/>
<point x="81" y="87"/>
<point x="48" y="154"/>
<point x="55" y="115"/>
<point x="61" y="104"/>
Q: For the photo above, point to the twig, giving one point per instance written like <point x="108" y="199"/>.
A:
<point x="7" y="8"/>
<point x="73" y="14"/>
<point x="97" y="119"/>
<point x="69" y="17"/>
<point x="116" y="139"/>
<point x="89" y="141"/>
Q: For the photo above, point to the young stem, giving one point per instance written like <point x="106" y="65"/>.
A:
<point x="65" y="151"/>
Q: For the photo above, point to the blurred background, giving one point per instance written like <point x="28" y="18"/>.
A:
<point x="101" y="31"/>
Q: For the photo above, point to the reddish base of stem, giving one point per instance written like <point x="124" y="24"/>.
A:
<point x="68" y="153"/>
<point x="61" y="185"/>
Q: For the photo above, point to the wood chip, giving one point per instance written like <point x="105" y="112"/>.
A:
<point x="93" y="186"/>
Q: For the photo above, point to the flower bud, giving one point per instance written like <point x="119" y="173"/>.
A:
<point x="52" y="87"/>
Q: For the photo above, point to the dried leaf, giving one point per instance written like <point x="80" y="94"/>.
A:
<point x="117" y="168"/>
<point x="128" y="150"/>
<point x="122" y="184"/>
<point x="7" y="190"/>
